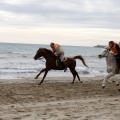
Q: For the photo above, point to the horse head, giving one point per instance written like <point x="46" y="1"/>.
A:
<point x="46" y="53"/>
<point x="104" y="53"/>
<point x="39" y="53"/>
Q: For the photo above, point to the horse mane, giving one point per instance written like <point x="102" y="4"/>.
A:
<point x="50" y="52"/>
<point x="112" y="54"/>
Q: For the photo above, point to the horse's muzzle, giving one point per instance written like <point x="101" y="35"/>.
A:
<point x="100" y="56"/>
<point x="35" y="58"/>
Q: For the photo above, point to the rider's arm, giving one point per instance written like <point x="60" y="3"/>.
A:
<point x="57" y="49"/>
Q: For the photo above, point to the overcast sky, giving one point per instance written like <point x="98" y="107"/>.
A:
<point x="68" y="22"/>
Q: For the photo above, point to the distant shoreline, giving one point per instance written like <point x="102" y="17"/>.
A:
<point x="100" y="46"/>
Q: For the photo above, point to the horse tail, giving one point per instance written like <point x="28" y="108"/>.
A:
<point x="80" y="58"/>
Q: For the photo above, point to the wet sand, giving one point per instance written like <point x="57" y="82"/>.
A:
<point x="59" y="100"/>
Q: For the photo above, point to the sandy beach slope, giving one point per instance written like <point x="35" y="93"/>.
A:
<point x="59" y="100"/>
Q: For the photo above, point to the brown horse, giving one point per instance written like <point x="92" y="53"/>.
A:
<point x="51" y="63"/>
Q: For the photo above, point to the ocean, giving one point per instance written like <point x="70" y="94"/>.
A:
<point x="16" y="61"/>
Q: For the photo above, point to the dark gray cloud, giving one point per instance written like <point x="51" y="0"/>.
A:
<point x="78" y="13"/>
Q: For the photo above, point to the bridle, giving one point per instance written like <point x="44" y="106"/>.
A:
<point x="105" y="52"/>
<point x="41" y="58"/>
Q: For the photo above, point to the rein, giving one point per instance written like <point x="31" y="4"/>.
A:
<point x="49" y="59"/>
<point x="41" y="59"/>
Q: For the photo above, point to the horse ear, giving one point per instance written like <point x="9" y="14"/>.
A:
<point x="41" y="49"/>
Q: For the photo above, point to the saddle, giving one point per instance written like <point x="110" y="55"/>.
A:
<point x="58" y="63"/>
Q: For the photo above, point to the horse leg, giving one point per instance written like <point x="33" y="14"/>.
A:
<point x="117" y="83"/>
<point x="40" y="73"/>
<point x="106" y="78"/>
<point x="73" y="73"/>
<point x="78" y="77"/>
<point x="46" y="71"/>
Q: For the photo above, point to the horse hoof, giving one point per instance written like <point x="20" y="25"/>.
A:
<point x="72" y="82"/>
<point x="36" y="78"/>
<point x="81" y="81"/>
<point x="103" y="87"/>
<point x="39" y="84"/>
<point x="117" y="84"/>
<point x="113" y="81"/>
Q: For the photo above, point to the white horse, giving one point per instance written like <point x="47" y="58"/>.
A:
<point x="112" y="67"/>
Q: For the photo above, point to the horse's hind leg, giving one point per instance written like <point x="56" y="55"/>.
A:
<point x="46" y="71"/>
<point x="73" y="73"/>
<point x="78" y="77"/>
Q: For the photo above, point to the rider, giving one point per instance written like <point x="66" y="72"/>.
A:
<point x="57" y="49"/>
<point x="114" y="47"/>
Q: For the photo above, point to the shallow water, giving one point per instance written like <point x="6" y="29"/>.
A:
<point x="16" y="61"/>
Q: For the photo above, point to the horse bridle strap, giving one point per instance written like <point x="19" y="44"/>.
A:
<point x="106" y="52"/>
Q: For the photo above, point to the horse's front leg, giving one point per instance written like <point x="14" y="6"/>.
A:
<point x="106" y="78"/>
<point x="40" y="73"/>
<point x="46" y="71"/>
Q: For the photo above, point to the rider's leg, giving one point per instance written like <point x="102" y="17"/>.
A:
<point x="64" y="66"/>
<point x="58" y="59"/>
<point x="62" y="62"/>
<point x="118" y="59"/>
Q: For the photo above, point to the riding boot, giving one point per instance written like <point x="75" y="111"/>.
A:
<point x="64" y="66"/>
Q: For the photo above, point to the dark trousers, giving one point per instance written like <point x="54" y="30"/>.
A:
<point x="118" y="59"/>
<point x="61" y="62"/>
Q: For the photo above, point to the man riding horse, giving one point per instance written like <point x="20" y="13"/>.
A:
<point x="58" y="50"/>
<point x="51" y="63"/>
<point x="114" y="47"/>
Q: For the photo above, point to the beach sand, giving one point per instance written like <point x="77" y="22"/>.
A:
<point x="58" y="99"/>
